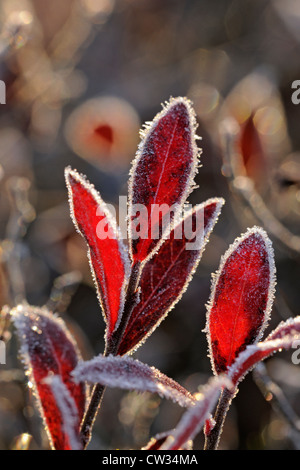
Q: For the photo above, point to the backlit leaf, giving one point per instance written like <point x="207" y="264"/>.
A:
<point x="48" y="349"/>
<point x="241" y="299"/>
<point x="161" y="176"/>
<point x="108" y="258"/>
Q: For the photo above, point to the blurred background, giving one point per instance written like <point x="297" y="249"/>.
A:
<point x="81" y="77"/>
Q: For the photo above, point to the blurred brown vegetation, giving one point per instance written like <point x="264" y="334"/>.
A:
<point x="81" y="77"/>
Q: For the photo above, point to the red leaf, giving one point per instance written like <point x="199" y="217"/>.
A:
<point x="283" y="337"/>
<point x="162" y="174"/>
<point x="129" y="374"/>
<point x="241" y="299"/>
<point x="47" y="348"/>
<point x="172" y="262"/>
<point x="108" y="258"/>
<point x="252" y="151"/>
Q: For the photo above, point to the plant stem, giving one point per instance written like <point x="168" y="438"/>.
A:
<point x="91" y="413"/>
<point x="112" y="346"/>
<point x="213" y="438"/>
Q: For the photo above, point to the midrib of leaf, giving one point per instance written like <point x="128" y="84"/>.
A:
<point x="102" y="286"/>
<point x="160" y="177"/>
<point x="238" y="310"/>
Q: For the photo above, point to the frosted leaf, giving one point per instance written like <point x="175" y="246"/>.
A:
<point x="108" y="256"/>
<point x="162" y="173"/>
<point x="47" y="348"/>
<point x="129" y="374"/>
<point x="241" y="299"/>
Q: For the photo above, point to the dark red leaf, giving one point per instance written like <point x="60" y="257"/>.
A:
<point x="241" y="299"/>
<point x="252" y="151"/>
<point x="48" y="349"/>
<point x="283" y="337"/>
<point x="108" y="258"/>
<point x="162" y="175"/>
<point x="167" y="274"/>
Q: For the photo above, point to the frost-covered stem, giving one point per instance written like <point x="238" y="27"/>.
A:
<point x="22" y="214"/>
<point x="213" y="438"/>
<point x="63" y="290"/>
<point x="91" y="413"/>
<point x="111" y="348"/>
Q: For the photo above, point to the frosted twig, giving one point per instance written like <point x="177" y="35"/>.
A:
<point x="213" y="438"/>
<point x="21" y="215"/>
<point x="63" y="290"/>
